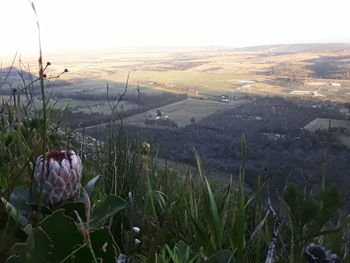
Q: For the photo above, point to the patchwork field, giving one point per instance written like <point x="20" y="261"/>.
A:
<point x="157" y="79"/>
<point x="286" y="70"/>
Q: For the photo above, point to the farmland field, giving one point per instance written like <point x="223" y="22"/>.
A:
<point x="181" y="112"/>
<point x="152" y="78"/>
<point x="276" y="70"/>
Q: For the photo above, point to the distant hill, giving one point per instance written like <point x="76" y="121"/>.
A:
<point x="13" y="72"/>
<point x="296" y="48"/>
<point x="317" y="60"/>
<point x="12" y="77"/>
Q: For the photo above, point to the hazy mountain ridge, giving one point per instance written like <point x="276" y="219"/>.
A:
<point x="301" y="47"/>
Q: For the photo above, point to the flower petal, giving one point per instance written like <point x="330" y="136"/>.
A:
<point x="54" y="166"/>
<point x="64" y="173"/>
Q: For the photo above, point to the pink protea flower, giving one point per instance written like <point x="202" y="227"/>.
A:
<point x="62" y="176"/>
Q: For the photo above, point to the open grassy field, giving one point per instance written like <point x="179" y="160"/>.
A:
<point x="88" y="106"/>
<point x="323" y="124"/>
<point x="181" y="112"/>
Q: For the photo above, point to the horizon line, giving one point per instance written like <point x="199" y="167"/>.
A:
<point x="153" y="47"/>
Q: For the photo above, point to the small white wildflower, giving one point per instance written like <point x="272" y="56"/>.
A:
<point x="136" y="229"/>
<point x="104" y="247"/>
<point x="137" y="241"/>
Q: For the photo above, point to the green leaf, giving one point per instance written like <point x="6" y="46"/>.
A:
<point x="201" y="233"/>
<point x="10" y="233"/>
<point x="199" y="165"/>
<point x="70" y="207"/>
<point x="291" y="196"/>
<point x="224" y="256"/>
<point x="89" y="187"/>
<point x="44" y="209"/>
<point x="214" y="219"/>
<point x="183" y="251"/>
<point x="19" y="198"/>
<point x="107" y="209"/>
<point x="37" y="249"/>
<point x="103" y="246"/>
<point x="63" y="232"/>
<point x="14" y="213"/>
<point x="330" y="205"/>
<point x="317" y="234"/>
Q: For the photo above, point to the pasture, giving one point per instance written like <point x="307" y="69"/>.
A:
<point x="181" y="112"/>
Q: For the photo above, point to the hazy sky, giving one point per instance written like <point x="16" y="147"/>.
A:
<point x="85" y="24"/>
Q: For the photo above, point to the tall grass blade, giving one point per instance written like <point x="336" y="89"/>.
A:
<point x="215" y="220"/>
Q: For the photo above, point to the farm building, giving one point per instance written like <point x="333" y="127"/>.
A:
<point x="301" y="92"/>
<point x="225" y="98"/>
<point x="335" y="84"/>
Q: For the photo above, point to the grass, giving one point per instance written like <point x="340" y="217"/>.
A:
<point x="182" y="112"/>
<point x="205" y="83"/>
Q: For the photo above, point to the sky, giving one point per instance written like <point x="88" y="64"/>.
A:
<point x="99" y="24"/>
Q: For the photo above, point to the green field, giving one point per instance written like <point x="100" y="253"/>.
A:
<point x="181" y="112"/>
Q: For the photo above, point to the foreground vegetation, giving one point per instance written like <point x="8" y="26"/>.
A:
<point x="149" y="213"/>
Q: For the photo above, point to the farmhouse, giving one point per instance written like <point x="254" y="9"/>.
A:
<point x="335" y="84"/>
<point x="225" y="98"/>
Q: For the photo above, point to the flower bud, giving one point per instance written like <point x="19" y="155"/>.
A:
<point x="62" y="176"/>
<point x="146" y="148"/>
<point x="136" y="229"/>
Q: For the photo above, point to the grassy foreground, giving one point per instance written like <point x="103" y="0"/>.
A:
<point x="147" y="212"/>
